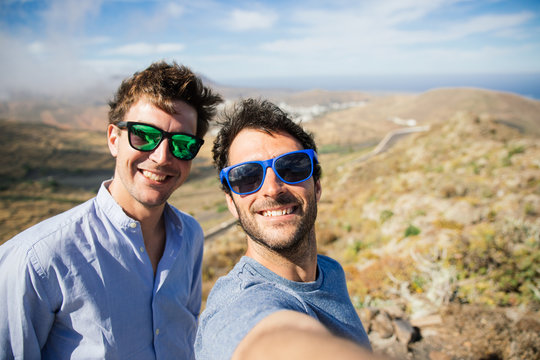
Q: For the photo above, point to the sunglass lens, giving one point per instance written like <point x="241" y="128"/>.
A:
<point x="294" y="167"/>
<point x="144" y="137"/>
<point x="246" y="178"/>
<point x="184" y="147"/>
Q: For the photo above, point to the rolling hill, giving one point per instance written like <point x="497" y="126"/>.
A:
<point x="442" y="226"/>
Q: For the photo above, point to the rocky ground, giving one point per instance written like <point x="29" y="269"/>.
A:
<point x="457" y="331"/>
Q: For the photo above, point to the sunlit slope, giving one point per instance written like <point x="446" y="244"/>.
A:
<point x="449" y="213"/>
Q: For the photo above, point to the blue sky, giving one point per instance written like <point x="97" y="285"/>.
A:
<point x="67" y="45"/>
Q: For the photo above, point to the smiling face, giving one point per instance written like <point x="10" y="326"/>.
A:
<point x="147" y="179"/>
<point x="279" y="216"/>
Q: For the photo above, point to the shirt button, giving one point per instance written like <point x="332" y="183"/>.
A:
<point x="157" y="331"/>
<point x="133" y="225"/>
<point x="141" y="249"/>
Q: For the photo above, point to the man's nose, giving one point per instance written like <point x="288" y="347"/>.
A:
<point x="161" y="154"/>
<point x="272" y="185"/>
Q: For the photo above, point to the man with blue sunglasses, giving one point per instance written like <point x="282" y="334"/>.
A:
<point x="119" y="276"/>
<point x="281" y="300"/>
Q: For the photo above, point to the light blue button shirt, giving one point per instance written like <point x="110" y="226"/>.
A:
<point x="80" y="285"/>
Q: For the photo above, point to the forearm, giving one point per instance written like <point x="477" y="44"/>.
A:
<point x="289" y="335"/>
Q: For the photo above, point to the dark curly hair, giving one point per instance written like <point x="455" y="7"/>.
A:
<point x="162" y="84"/>
<point x="259" y="115"/>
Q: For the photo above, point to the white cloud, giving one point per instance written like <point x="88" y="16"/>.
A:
<point x="487" y="23"/>
<point x="98" y="40"/>
<point x="41" y="67"/>
<point x="142" y="49"/>
<point x="174" y="10"/>
<point x="350" y="31"/>
<point x="308" y="45"/>
<point x="161" y="18"/>
<point x="65" y="17"/>
<point x="243" y="20"/>
<point x="369" y="17"/>
<point x="59" y="48"/>
<point x="37" y="47"/>
<point x="117" y="67"/>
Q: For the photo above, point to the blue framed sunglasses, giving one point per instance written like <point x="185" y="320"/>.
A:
<point x="291" y="168"/>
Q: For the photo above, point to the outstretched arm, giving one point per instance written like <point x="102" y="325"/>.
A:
<point x="292" y="335"/>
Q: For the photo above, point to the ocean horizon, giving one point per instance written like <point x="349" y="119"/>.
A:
<point x="527" y="85"/>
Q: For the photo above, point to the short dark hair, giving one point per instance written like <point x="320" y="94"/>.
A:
<point x="260" y="115"/>
<point x="162" y="84"/>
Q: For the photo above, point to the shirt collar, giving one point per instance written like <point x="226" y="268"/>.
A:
<point x="117" y="215"/>
<point x="110" y="207"/>
<point x="272" y="276"/>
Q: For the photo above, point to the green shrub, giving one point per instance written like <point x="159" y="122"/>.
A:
<point x="507" y="160"/>
<point x="499" y="263"/>
<point x="411" y="230"/>
<point x="385" y="215"/>
<point x="221" y="207"/>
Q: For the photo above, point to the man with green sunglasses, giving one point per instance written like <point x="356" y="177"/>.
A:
<point x="119" y="276"/>
<point x="281" y="300"/>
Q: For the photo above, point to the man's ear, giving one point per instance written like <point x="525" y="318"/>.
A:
<point x="318" y="189"/>
<point x="113" y="136"/>
<point x="231" y="206"/>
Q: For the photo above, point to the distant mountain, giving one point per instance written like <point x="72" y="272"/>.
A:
<point x="62" y="114"/>
<point x="33" y="151"/>
<point x="437" y="105"/>
<point x="380" y="114"/>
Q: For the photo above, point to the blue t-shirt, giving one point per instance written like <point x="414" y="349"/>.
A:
<point x="250" y="292"/>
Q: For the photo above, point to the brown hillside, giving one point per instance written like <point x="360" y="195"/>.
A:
<point x="450" y="216"/>
<point x="442" y="230"/>
<point x="438" y="105"/>
<point x="468" y="176"/>
<point x="358" y="124"/>
<point x="39" y="150"/>
<point x="45" y="170"/>
<point x="56" y="113"/>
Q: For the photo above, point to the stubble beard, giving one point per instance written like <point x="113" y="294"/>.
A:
<point x="138" y="195"/>
<point x="297" y="241"/>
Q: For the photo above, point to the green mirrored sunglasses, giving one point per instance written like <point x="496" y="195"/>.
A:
<point x="145" y="137"/>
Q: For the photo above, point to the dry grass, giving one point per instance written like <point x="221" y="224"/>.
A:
<point x="425" y="196"/>
<point x="28" y="203"/>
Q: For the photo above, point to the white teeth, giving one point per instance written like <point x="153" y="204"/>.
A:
<point x="277" y="212"/>
<point x="153" y="176"/>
